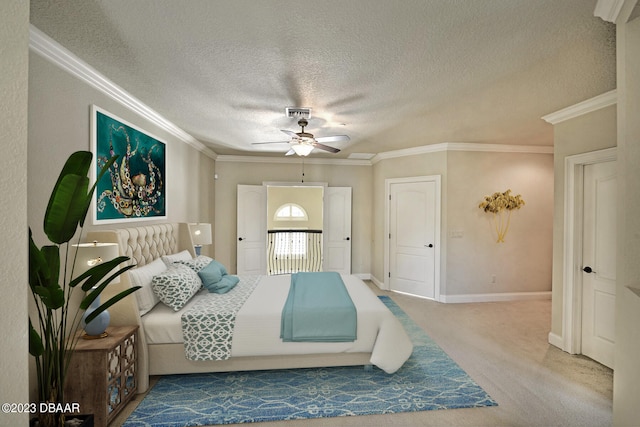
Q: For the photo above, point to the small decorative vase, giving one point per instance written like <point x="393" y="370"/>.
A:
<point x="98" y="326"/>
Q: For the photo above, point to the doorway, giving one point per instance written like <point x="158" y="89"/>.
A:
<point x="252" y="227"/>
<point x="294" y="229"/>
<point x="412" y="250"/>
<point x="589" y="257"/>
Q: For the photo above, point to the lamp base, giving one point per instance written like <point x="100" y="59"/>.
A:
<point x="97" y="326"/>
<point x="198" y="248"/>
<point x="86" y="336"/>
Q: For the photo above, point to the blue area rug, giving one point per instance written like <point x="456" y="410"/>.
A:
<point x="428" y="380"/>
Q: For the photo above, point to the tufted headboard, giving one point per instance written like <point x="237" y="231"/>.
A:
<point x="142" y="245"/>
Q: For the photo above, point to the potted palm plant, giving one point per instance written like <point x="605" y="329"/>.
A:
<point x="54" y="334"/>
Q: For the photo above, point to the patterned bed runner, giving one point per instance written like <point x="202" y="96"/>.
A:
<point x="207" y="327"/>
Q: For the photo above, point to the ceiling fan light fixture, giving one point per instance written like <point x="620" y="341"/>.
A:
<point x="302" y="149"/>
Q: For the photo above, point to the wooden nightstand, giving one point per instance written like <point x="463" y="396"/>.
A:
<point x="102" y="374"/>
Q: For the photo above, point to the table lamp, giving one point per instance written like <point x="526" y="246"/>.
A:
<point x="87" y="256"/>
<point x="201" y="235"/>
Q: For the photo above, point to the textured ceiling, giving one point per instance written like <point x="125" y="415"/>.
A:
<point x="390" y="74"/>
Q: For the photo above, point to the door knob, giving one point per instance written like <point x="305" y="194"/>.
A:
<point x="588" y="269"/>
<point x="430" y="245"/>
<point x="240" y="239"/>
<point x="347" y="238"/>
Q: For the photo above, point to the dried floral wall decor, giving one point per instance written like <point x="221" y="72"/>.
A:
<point x="500" y="206"/>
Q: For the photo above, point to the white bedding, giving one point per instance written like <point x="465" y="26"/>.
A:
<point x="257" y="326"/>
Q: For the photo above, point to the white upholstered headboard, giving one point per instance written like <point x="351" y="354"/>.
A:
<point x="142" y="245"/>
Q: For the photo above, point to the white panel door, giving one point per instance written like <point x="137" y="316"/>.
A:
<point x="337" y="230"/>
<point x="412" y="235"/>
<point x="599" y="262"/>
<point x="252" y="229"/>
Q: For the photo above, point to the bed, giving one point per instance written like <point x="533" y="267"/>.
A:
<point x="255" y="343"/>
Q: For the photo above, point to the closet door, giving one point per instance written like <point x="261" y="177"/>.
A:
<point x="337" y="230"/>
<point x="252" y="229"/>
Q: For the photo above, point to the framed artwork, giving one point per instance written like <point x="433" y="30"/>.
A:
<point x="134" y="188"/>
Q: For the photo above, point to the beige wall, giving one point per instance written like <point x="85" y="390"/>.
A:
<point x="14" y="42"/>
<point x="626" y="380"/>
<point x="523" y="262"/>
<point x="59" y="124"/>
<point x="308" y="198"/>
<point x="232" y="173"/>
<point x="583" y="134"/>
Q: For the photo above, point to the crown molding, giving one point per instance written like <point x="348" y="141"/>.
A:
<point x="57" y="54"/>
<point x="463" y="146"/>
<point x="51" y="50"/>
<point x="289" y="160"/>
<point x="608" y="10"/>
<point x="581" y="108"/>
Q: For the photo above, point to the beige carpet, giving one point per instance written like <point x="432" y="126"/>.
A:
<point x="503" y="347"/>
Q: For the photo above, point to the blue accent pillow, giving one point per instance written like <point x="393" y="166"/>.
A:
<point x="222" y="268"/>
<point x="212" y="273"/>
<point x="224" y="285"/>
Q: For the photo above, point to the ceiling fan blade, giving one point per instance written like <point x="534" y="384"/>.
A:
<point x="290" y="133"/>
<point x="272" y="142"/>
<point x="325" y="147"/>
<point x="290" y="152"/>
<point x="335" y="138"/>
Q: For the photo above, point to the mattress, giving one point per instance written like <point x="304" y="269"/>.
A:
<point x="257" y="325"/>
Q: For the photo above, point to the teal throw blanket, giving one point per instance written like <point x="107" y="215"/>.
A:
<point x="318" y="309"/>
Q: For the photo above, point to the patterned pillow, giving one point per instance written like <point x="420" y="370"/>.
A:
<point x="180" y="256"/>
<point x="196" y="264"/>
<point x="176" y="285"/>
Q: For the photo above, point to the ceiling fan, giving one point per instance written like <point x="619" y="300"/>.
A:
<point x="302" y="143"/>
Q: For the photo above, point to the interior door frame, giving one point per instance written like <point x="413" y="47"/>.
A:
<point x="437" y="179"/>
<point x="573" y="231"/>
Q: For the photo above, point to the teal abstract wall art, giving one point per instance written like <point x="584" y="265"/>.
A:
<point x="134" y="189"/>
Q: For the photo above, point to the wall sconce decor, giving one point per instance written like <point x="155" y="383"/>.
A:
<point x="500" y="205"/>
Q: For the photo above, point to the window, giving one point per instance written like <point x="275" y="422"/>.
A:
<point x="291" y="243"/>
<point x="291" y="212"/>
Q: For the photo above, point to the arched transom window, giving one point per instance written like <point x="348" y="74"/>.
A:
<point x="291" y="212"/>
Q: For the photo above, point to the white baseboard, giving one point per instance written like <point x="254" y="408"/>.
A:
<point x="507" y="296"/>
<point x="556" y="340"/>
<point x="369" y="276"/>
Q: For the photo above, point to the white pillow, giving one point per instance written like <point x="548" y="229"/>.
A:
<point x="180" y="256"/>
<point x="176" y="285"/>
<point x="142" y="276"/>
<point x="198" y="263"/>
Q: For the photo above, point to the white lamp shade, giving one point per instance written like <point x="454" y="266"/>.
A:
<point x="302" y="149"/>
<point x="201" y="234"/>
<point x="90" y="254"/>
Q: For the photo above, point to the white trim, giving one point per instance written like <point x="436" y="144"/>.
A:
<point x="437" y="179"/>
<point x="608" y="10"/>
<point x="555" y="340"/>
<point x="581" y="108"/>
<point x="496" y="297"/>
<point x="57" y="54"/>
<point x="291" y="159"/>
<point x="377" y="282"/>
<point x="425" y="149"/>
<point x="572" y="288"/>
<point x="463" y="146"/>
<point x="54" y="52"/>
